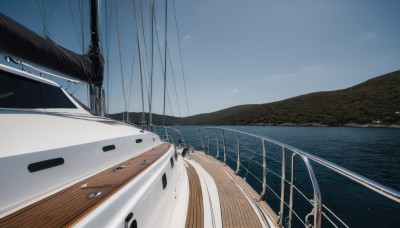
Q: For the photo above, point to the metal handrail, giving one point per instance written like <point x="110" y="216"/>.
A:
<point x="371" y="184"/>
<point x="306" y="158"/>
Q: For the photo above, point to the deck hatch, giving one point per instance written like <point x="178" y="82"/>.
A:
<point x="37" y="166"/>
<point x="108" y="148"/>
<point x="139" y="140"/>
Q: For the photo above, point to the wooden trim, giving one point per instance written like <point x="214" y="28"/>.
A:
<point x="68" y="206"/>
<point x="195" y="212"/>
<point x="236" y="210"/>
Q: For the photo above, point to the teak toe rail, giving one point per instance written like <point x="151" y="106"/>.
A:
<point x="70" y="205"/>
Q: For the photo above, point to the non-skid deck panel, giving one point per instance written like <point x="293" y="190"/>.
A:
<point x="236" y="210"/>
<point x="195" y="213"/>
<point x="70" y="205"/>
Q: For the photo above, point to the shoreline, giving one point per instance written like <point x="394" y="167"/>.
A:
<point x="357" y="125"/>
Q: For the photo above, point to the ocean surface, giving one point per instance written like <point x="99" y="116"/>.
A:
<point x="371" y="152"/>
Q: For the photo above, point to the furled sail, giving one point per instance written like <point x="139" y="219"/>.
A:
<point x="17" y="40"/>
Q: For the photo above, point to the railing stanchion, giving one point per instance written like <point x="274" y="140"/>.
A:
<point x="264" y="180"/>
<point x="238" y="155"/>
<point x="166" y="134"/>
<point x="316" y="213"/>
<point x="282" y="187"/>
<point x="223" y="138"/>
<point x="216" y="139"/>
<point x="201" y="139"/>
<point x="291" y="191"/>
<point x="208" y="142"/>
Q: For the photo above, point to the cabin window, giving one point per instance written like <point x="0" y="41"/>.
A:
<point x="20" y="92"/>
<point x="139" y="140"/>
<point x="54" y="97"/>
<point x="164" y="181"/>
<point x="172" y="162"/>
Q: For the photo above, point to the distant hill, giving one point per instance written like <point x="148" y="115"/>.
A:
<point x="194" y="120"/>
<point x="135" y="117"/>
<point x="374" y="101"/>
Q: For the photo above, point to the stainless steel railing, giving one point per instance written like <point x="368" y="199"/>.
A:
<point x="166" y="131"/>
<point x="319" y="210"/>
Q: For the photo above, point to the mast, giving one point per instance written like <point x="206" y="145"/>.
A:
<point x="97" y="101"/>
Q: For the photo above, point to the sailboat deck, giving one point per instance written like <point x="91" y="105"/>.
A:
<point x="68" y="206"/>
<point x="235" y="195"/>
<point x="195" y="213"/>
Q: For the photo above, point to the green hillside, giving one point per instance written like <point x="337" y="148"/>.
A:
<point x="377" y="99"/>
<point x="135" y="117"/>
<point x="196" y="119"/>
<point x="374" y="101"/>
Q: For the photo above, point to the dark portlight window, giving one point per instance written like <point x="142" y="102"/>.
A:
<point x="37" y="166"/>
<point x="54" y="97"/>
<point x="172" y="162"/>
<point x="108" y="148"/>
<point x="20" y="92"/>
<point x="164" y="181"/>
<point x="133" y="224"/>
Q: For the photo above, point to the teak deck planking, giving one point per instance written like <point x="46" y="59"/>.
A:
<point x="195" y="213"/>
<point x="68" y="206"/>
<point x="236" y="210"/>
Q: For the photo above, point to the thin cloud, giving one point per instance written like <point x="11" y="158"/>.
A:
<point x="371" y="36"/>
<point x="312" y="69"/>
<point x="231" y="93"/>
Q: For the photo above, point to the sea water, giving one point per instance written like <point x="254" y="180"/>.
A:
<point x="371" y="152"/>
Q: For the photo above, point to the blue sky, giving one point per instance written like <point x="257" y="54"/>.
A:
<point x="236" y="52"/>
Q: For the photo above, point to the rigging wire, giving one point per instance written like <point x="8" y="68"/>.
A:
<point x="73" y="19"/>
<point x="180" y="55"/>
<point x="145" y="50"/>
<point x="161" y="62"/>
<point x="131" y="75"/>
<point x="135" y="8"/>
<point x="152" y="62"/>
<point x="46" y="15"/>
<point x="165" y="57"/>
<point x="120" y="60"/>
<point x="108" y="40"/>
<point x="142" y="120"/>
<point x="82" y="26"/>
<point x="173" y="77"/>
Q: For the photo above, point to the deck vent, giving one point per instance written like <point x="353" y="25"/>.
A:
<point x="108" y="148"/>
<point x="118" y="168"/>
<point x="37" y="166"/>
<point x="94" y="195"/>
<point x="139" y="140"/>
<point x="164" y="181"/>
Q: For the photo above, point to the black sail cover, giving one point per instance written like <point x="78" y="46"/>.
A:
<point x="17" y="40"/>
